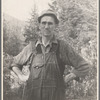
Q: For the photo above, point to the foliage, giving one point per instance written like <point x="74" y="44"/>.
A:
<point x="11" y="47"/>
<point x="31" y="29"/>
<point x="83" y="87"/>
<point x="11" y="42"/>
<point x="11" y="89"/>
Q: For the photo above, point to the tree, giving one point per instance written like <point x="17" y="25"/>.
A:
<point x="12" y="35"/>
<point x="5" y="35"/>
<point x="31" y="29"/>
<point x="11" y="43"/>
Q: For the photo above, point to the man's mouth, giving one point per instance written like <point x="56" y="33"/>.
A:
<point x="48" y="31"/>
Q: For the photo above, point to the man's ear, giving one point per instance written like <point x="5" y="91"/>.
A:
<point x="39" y="27"/>
<point x="56" y="25"/>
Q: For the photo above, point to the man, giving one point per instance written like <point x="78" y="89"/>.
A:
<point x="47" y="58"/>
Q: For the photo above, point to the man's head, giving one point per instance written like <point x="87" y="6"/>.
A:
<point x="48" y="22"/>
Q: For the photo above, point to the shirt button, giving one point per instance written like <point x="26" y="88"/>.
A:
<point x="37" y="67"/>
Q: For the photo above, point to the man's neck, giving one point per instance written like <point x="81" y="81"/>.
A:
<point x="46" y="40"/>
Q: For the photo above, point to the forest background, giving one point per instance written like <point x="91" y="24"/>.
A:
<point x="78" y="27"/>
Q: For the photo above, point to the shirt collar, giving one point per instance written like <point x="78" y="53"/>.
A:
<point x="53" y="40"/>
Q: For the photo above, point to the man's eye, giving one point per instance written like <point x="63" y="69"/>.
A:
<point x="50" y="23"/>
<point x="43" y="23"/>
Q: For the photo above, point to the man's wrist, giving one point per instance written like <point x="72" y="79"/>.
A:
<point x="73" y="75"/>
<point x="69" y="77"/>
<point x="17" y="71"/>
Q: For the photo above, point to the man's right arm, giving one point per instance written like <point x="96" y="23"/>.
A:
<point x="19" y="61"/>
<point x="70" y="57"/>
<point x="17" y="71"/>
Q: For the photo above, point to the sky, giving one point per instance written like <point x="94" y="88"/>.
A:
<point x="21" y="9"/>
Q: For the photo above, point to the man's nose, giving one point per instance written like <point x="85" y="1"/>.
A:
<point x="46" y="26"/>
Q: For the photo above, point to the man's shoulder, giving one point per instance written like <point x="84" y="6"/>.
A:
<point x="29" y="47"/>
<point x="64" y="45"/>
<point x="62" y="42"/>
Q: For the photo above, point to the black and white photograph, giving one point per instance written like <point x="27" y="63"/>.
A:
<point x="50" y="50"/>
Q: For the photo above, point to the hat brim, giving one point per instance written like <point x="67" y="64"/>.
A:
<point x="49" y="14"/>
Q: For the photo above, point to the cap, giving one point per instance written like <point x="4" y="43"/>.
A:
<point x="49" y="13"/>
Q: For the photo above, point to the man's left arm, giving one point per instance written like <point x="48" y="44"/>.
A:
<point x="70" y="57"/>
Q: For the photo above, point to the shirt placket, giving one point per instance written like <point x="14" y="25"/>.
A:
<point x="45" y="50"/>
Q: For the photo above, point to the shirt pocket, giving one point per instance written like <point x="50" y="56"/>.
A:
<point x="38" y="61"/>
<point x="36" y="73"/>
<point x="37" y="64"/>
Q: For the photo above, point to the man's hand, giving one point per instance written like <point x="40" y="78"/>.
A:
<point x="15" y="77"/>
<point x="69" y="77"/>
<point x="22" y="77"/>
<point x="25" y="70"/>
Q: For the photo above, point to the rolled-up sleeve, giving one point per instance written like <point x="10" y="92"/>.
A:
<point x="22" y="57"/>
<point x="70" y="57"/>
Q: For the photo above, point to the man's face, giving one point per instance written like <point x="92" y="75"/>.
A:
<point x="47" y="26"/>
